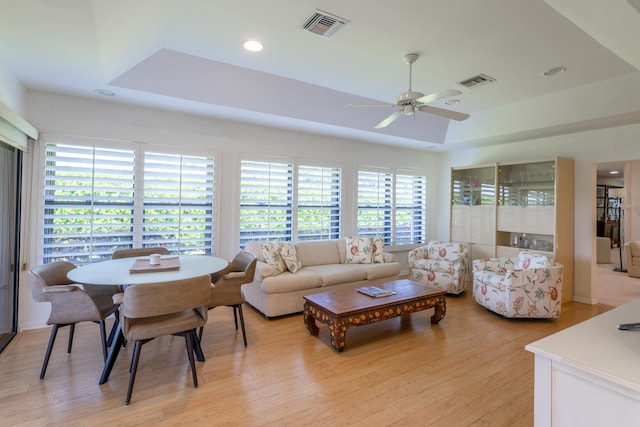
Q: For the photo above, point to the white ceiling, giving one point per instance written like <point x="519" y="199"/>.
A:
<point x="186" y="56"/>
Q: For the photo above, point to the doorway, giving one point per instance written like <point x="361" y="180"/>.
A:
<point x="10" y="183"/>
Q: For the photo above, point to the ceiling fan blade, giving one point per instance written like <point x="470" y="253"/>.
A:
<point x="438" y="95"/>
<point x="386" y="122"/>
<point x="368" y="105"/>
<point x="454" y="115"/>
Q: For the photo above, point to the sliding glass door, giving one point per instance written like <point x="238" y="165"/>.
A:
<point x="10" y="183"/>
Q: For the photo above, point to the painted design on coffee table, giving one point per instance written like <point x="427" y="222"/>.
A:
<point x="338" y="325"/>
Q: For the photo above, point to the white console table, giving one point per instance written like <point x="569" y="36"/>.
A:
<point x="589" y="374"/>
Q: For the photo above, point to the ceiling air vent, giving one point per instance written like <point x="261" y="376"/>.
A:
<point x="323" y="24"/>
<point x="478" y="80"/>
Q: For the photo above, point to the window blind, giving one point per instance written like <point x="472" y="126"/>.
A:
<point x="266" y="201"/>
<point x="318" y="203"/>
<point x="178" y="203"/>
<point x="99" y="199"/>
<point x="374" y="205"/>
<point x="411" y="206"/>
<point x="88" y="202"/>
<point x="392" y="206"/>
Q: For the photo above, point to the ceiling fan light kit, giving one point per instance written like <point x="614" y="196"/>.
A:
<point x="410" y="101"/>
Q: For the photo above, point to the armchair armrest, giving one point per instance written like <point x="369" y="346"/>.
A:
<point x="60" y="288"/>
<point x="235" y="275"/>
<point x="416" y="254"/>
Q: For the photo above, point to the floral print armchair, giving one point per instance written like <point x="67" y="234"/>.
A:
<point x="527" y="286"/>
<point x="444" y="266"/>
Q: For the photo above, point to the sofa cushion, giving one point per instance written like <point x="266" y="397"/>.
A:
<point x="289" y="282"/>
<point x="444" y="250"/>
<point x="359" y="250"/>
<point x="526" y="260"/>
<point x="254" y="248"/>
<point x="290" y="256"/>
<point x="434" y="264"/>
<point x="378" y="249"/>
<point x="380" y="270"/>
<point x="317" y="252"/>
<point x="634" y="247"/>
<point x="272" y="256"/>
<point x="335" y="274"/>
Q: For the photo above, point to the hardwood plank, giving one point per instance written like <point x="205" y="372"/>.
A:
<point x="471" y="369"/>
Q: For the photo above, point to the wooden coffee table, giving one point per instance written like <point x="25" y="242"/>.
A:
<point x="347" y="307"/>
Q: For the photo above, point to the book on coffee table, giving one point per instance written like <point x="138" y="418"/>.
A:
<point x="374" y="291"/>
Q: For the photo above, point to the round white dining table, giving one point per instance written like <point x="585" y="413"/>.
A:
<point x="116" y="271"/>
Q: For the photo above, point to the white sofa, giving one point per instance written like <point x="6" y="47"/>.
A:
<point x="324" y="268"/>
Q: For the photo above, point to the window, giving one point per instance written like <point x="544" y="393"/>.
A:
<point x="91" y="207"/>
<point x="392" y="206"/>
<point x="178" y="202"/>
<point x="272" y="207"/>
<point x="318" y="203"/>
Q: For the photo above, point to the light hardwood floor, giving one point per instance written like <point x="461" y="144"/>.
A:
<point x="471" y="369"/>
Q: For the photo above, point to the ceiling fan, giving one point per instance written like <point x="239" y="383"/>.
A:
<point x="409" y="102"/>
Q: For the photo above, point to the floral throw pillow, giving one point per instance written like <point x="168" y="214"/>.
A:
<point x="378" y="246"/>
<point x="290" y="257"/>
<point x="359" y="250"/>
<point x="271" y="254"/>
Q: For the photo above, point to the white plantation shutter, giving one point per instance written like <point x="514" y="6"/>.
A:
<point x="410" y="209"/>
<point x="374" y="205"/>
<point x="392" y="206"/>
<point x="92" y="206"/>
<point x="88" y="202"/>
<point x="318" y="203"/>
<point x="266" y="201"/>
<point x="178" y="203"/>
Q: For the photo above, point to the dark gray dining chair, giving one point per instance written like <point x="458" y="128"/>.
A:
<point x="70" y="304"/>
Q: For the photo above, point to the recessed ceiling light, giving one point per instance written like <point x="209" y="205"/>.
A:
<point x="554" y="71"/>
<point x="253" y="45"/>
<point x="104" y="92"/>
<point x="452" y="102"/>
<point x="614" y="172"/>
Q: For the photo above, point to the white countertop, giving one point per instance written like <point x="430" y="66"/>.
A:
<point x="596" y="346"/>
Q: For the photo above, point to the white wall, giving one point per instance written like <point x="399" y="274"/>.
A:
<point x="586" y="148"/>
<point x="228" y="141"/>
<point x="11" y="93"/>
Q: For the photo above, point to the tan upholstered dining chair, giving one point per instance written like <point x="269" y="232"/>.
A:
<point x="136" y="252"/>
<point x="177" y="307"/>
<point x="70" y="304"/>
<point x="226" y="288"/>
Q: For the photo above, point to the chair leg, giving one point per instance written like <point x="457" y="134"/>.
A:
<point x="200" y="332"/>
<point x="103" y="339"/>
<point x="112" y="334"/>
<point x="244" y="333"/>
<point x="52" y="339"/>
<point x="72" y="329"/>
<point x="189" y="337"/>
<point x="133" y="370"/>
<point x="235" y="315"/>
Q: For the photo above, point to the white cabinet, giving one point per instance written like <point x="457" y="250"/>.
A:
<point x="587" y="375"/>
<point x="473" y="209"/>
